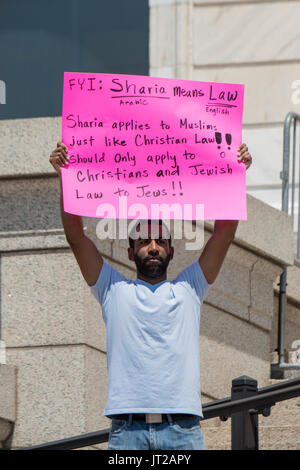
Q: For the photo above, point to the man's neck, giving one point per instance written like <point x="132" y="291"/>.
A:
<point x="151" y="280"/>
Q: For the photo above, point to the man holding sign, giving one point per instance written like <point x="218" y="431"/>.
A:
<point x="154" y="397"/>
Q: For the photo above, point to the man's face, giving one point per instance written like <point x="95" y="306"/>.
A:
<point x="152" y="256"/>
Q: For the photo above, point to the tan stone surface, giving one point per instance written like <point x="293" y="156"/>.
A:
<point x="54" y="384"/>
<point x="231" y="290"/>
<point x="30" y="204"/>
<point x="258" y="232"/>
<point x="23" y="151"/>
<point x="270" y="438"/>
<point x="293" y="280"/>
<point x="218" y="438"/>
<point x="280" y="437"/>
<point x="230" y="347"/>
<point x="275" y="25"/>
<point x="286" y="412"/>
<point x="261" y="293"/>
<point x="42" y="299"/>
<point x="8" y="392"/>
<point x="171" y="39"/>
<point x="32" y="239"/>
<point x="258" y="235"/>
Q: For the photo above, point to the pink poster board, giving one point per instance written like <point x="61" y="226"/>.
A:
<point x="152" y="141"/>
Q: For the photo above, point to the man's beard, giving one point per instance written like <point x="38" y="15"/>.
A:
<point x="152" y="269"/>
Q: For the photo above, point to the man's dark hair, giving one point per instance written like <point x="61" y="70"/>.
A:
<point x="160" y="222"/>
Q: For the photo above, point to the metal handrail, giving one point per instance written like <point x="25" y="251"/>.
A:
<point x="285" y="174"/>
<point x="261" y="391"/>
<point x="259" y="402"/>
<point x="276" y="369"/>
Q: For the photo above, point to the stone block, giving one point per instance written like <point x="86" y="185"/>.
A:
<point x="239" y="255"/>
<point x="230" y="347"/>
<point x="163" y="36"/>
<point x="8" y="392"/>
<point x="30" y="204"/>
<point x="259" y="234"/>
<point x="231" y="290"/>
<point x="53" y="386"/>
<point x="233" y="281"/>
<point x="44" y="301"/>
<point x="261" y="293"/>
<point x="286" y="412"/>
<point x="260" y="319"/>
<point x="267" y="269"/>
<point x="293" y="283"/>
<point x="292" y="314"/>
<point x="223" y="34"/>
<point x="279" y="437"/>
<point x="26" y="145"/>
<point x="32" y="240"/>
<point x="170" y="39"/>
<point x="217" y="438"/>
<point x="264" y="276"/>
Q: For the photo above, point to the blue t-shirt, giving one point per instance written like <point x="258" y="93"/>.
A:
<point x="152" y="336"/>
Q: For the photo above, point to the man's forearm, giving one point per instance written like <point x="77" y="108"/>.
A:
<point x="215" y="250"/>
<point x="72" y="223"/>
<point x="226" y="229"/>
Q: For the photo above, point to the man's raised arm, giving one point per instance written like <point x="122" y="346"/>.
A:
<point x="215" y="250"/>
<point x="87" y="255"/>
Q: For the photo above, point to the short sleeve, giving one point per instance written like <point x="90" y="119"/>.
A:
<point x="108" y="276"/>
<point x="194" y="276"/>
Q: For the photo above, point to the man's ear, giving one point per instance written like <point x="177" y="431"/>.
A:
<point x="130" y="254"/>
